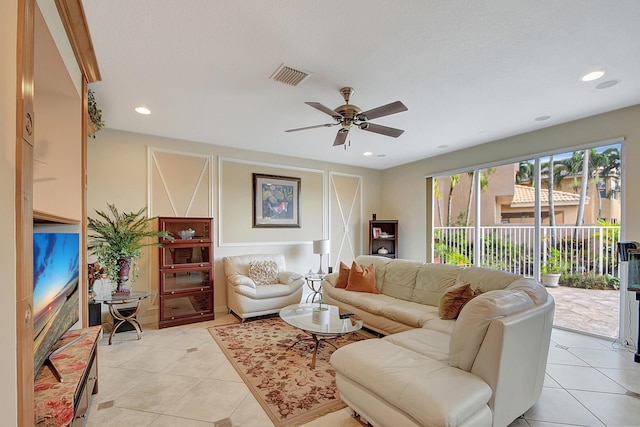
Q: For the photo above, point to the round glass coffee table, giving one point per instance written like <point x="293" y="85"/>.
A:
<point x="319" y="328"/>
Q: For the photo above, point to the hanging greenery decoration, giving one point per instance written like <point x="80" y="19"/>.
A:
<point x="95" y="114"/>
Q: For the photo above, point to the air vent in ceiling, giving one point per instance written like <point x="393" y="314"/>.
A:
<point x="291" y="76"/>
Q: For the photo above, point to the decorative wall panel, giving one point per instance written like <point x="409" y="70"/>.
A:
<point x="345" y="218"/>
<point x="179" y="184"/>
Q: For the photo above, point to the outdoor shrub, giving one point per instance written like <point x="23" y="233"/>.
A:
<point x="590" y="281"/>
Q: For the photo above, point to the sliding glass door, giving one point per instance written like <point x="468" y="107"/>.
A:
<point x="553" y="217"/>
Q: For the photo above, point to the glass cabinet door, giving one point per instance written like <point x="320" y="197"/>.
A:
<point x="172" y="282"/>
<point x="186" y="230"/>
<point x="190" y="256"/>
<point x="180" y="306"/>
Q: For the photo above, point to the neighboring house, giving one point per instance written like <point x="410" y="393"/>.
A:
<point x="519" y="207"/>
<point x="505" y="202"/>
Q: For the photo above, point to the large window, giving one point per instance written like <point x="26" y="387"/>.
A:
<point x="553" y="217"/>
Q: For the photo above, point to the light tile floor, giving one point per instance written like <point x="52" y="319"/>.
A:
<point x="178" y="377"/>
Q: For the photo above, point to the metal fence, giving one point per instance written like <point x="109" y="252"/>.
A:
<point x="585" y="249"/>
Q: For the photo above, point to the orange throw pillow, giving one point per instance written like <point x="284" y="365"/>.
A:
<point x="452" y="301"/>
<point x="362" y="280"/>
<point x="343" y="276"/>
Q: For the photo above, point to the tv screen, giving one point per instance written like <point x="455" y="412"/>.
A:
<point x="55" y="290"/>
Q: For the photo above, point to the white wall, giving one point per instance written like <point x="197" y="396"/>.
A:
<point x="8" y="33"/>
<point x="117" y="173"/>
<point x="408" y="205"/>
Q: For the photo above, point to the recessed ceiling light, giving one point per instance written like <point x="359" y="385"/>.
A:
<point x="542" y="118"/>
<point x="442" y="146"/>
<point x="607" y="84"/>
<point x="367" y="153"/>
<point x="143" y="110"/>
<point x="381" y="155"/>
<point x="594" y="75"/>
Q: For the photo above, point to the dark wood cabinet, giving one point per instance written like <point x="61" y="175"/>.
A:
<point x="186" y="271"/>
<point x="383" y="238"/>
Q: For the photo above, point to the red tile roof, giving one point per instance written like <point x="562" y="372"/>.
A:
<point x="525" y="196"/>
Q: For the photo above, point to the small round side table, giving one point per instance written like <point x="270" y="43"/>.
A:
<point x="314" y="282"/>
<point x="117" y="302"/>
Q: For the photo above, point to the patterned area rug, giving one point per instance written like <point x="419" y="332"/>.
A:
<point x="280" y="377"/>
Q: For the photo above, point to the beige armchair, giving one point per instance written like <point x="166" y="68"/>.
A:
<point x="259" y="284"/>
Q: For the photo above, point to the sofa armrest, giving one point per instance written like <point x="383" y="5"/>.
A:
<point x="330" y="279"/>
<point x="288" y="277"/>
<point x="239" y="279"/>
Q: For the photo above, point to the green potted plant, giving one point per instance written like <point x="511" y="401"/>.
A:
<point x="95" y="114"/>
<point x="552" y="268"/>
<point x="117" y="239"/>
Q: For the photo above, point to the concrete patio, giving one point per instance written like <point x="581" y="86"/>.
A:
<point x="588" y="310"/>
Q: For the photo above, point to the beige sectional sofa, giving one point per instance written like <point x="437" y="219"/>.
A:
<point x="484" y="368"/>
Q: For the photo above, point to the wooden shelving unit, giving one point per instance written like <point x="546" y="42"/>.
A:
<point x="186" y="271"/>
<point x="383" y="238"/>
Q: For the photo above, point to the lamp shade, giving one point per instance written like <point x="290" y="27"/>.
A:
<point x="321" y="246"/>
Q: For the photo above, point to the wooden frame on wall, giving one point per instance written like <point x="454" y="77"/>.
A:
<point x="276" y="201"/>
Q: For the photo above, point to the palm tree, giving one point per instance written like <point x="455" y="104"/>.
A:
<point x="552" y="208"/>
<point x="525" y="173"/>
<point x="454" y="181"/>
<point x="602" y="166"/>
<point x="438" y="196"/>
<point x="484" y="185"/>
<point x="584" y="187"/>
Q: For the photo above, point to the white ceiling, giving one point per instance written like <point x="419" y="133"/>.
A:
<point x="468" y="71"/>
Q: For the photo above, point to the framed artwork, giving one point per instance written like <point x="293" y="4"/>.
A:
<point x="377" y="231"/>
<point x="276" y="201"/>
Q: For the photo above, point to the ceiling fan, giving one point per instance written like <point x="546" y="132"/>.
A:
<point x="348" y="115"/>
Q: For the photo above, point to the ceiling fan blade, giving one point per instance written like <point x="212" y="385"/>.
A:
<point x="384" y="130"/>
<point x="324" y="109"/>
<point x="341" y="137"/>
<point x="385" y="110"/>
<point x="326" y="125"/>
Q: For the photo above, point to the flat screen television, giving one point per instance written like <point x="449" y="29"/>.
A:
<point x="55" y="290"/>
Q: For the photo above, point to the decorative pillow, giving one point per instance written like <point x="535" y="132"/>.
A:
<point x="343" y="276"/>
<point x="263" y="272"/>
<point x="452" y="301"/>
<point x="362" y="280"/>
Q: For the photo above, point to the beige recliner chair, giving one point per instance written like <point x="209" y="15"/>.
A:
<point x="259" y="284"/>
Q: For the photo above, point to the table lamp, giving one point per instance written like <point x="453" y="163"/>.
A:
<point x="321" y="247"/>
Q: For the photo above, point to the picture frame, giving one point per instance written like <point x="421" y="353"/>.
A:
<point x="377" y="231"/>
<point x="276" y="201"/>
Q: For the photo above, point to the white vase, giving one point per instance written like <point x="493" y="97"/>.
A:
<point x="320" y="316"/>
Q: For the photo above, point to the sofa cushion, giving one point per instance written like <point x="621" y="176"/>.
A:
<point x="452" y="301"/>
<point x="473" y="322"/>
<point x="408" y="312"/>
<point x="428" y="390"/>
<point x="433" y="344"/>
<point x="400" y="278"/>
<point x="343" y="276"/>
<point x="432" y="281"/>
<point x="372" y="303"/>
<point x="362" y="280"/>
<point x="486" y="279"/>
<point x="263" y="272"/>
<point x="536" y="291"/>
